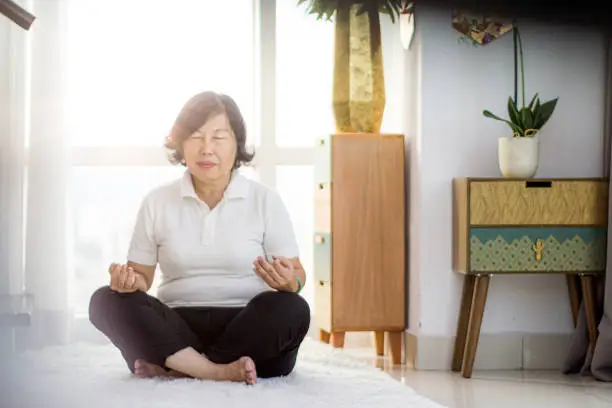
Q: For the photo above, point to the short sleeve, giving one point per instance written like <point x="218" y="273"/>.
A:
<point x="143" y="245"/>
<point x="279" y="236"/>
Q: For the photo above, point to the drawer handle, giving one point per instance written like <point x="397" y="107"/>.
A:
<point x="538" y="247"/>
<point x="538" y="184"/>
<point x="319" y="239"/>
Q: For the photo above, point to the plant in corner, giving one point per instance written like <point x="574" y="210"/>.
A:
<point x="358" y="85"/>
<point x="519" y="153"/>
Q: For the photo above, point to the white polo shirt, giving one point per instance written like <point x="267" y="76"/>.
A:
<point x="206" y="256"/>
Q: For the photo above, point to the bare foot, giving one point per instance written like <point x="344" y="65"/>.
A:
<point x="144" y="369"/>
<point x="240" y="370"/>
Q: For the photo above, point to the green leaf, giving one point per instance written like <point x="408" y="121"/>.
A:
<point x="325" y="9"/>
<point x="526" y="118"/>
<point x="514" y="127"/>
<point x="394" y="9"/>
<point x="489" y="114"/>
<point x="545" y="112"/>
<point x="537" y="115"/>
<point x="533" y="101"/>
<point x="513" y="113"/>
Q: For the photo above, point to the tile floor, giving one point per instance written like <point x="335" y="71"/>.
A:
<point x="498" y="389"/>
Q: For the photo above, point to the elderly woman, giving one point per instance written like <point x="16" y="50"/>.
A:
<point x="228" y="307"/>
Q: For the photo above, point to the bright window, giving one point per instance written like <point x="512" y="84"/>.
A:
<point x="132" y="64"/>
<point x="304" y="75"/>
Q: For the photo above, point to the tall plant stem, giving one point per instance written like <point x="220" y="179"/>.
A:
<point x="520" y="43"/>
<point x="514" y="35"/>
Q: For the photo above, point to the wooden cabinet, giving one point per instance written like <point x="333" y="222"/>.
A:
<point x="516" y="227"/>
<point x="359" y="241"/>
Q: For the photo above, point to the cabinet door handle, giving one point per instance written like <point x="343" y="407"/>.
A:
<point x="538" y="247"/>
<point x="319" y="239"/>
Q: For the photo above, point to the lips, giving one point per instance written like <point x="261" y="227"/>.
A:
<point x="206" y="165"/>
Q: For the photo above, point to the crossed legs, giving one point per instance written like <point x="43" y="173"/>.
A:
<point x="227" y="344"/>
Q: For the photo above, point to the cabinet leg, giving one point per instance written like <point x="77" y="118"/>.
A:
<point x="590" y="309"/>
<point x="481" y="287"/>
<point x="337" y="339"/>
<point x="324" y="336"/>
<point x="395" y="346"/>
<point x="573" y="288"/>
<point x="379" y="338"/>
<point x="462" y="321"/>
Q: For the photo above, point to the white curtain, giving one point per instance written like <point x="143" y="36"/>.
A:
<point x="47" y="266"/>
<point x="12" y="110"/>
<point x="35" y="163"/>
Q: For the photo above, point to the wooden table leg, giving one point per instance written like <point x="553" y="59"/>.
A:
<point x="573" y="287"/>
<point x="481" y="287"/>
<point x="337" y="339"/>
<point x="590" y="307"/>
<point x="395" y="346"/>
<point x="324" y="336"/>
<point x="379" y="338"/>
<point x="462" y="321"/>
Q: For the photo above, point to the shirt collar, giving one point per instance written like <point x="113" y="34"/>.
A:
<point x="238" y="186"/>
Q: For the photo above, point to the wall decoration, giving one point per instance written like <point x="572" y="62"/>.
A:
<point x="480" y="30"/>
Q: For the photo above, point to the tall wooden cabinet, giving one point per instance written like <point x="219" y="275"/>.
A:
<point x="359" y="240"/>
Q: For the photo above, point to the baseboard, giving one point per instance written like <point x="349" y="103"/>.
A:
<point x="496" y="351"/>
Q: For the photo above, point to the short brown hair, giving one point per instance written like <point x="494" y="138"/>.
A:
<point x="193" y="116"/>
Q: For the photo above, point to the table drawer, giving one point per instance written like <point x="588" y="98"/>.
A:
<point x="515" y="249"/>
<point x="538" y="202"/>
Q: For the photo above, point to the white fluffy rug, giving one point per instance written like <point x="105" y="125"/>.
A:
<point x="92" y="376"/>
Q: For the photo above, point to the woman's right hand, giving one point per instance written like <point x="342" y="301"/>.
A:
<point x="123" y="278"/>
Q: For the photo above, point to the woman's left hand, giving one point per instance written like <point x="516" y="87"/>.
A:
<point x="279" y="274"/>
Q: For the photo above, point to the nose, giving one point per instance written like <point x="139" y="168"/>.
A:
<point x="206" y="146"/>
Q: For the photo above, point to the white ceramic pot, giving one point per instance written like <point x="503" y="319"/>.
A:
<point x="519" y="157"/>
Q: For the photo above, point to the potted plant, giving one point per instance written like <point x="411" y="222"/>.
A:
<point x="519" y="154"/>
<point x="359" y="83"/>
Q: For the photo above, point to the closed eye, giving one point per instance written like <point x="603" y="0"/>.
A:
<point x="221" y="134"/>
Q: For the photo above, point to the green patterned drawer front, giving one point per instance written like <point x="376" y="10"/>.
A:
<point x="537" y="249"/>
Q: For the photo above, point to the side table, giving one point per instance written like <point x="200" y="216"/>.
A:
<point x="517" y="227"/>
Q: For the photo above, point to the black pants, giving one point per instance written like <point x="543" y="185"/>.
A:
<point x="269" y="329"/>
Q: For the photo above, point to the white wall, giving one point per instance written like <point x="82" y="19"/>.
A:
<point x="451" y="85"/>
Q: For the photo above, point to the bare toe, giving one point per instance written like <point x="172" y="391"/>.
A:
<point x="143" y="369"/>
<point x="248" y="370"/>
